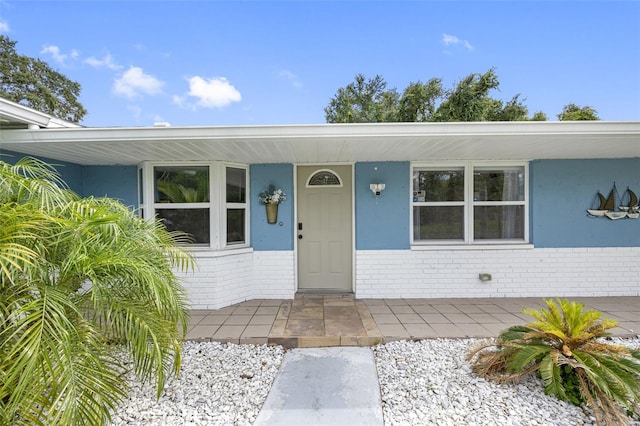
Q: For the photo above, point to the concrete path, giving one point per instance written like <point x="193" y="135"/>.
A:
<point x="324" y="386"/>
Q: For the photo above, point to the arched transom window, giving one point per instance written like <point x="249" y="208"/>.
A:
<point x="324" y="177"/>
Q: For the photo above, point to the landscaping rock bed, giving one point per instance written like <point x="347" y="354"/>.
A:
<point x="426" y="383"/>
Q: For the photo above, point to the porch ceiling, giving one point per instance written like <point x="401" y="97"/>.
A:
<point x="331" y="143"/>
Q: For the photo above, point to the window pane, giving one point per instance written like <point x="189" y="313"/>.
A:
<point x="498" y="185"/>
<point x="181" y="184"/>
<point x="438" y="223"/>
<point x="235" y="226"/>
<point x="438" y="185"/>
<point x="140" y="188"/>
<point x="498" y="222"/>
<point x="191" y="221"/>
<point x="236" y="185"/>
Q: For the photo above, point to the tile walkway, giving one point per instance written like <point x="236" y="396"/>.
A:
<point x="317" y="320"/>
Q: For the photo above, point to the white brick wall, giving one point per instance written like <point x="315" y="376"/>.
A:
<point x="273" y="275"/>
<point x="223" y="278"/>
<point x="565" y="272"/>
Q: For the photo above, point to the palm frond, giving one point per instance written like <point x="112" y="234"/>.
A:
<point x="550" y="375"/>
<point x="606" y="411"/>
<point x="525" y="354"/>
<point x="516" y="332"/>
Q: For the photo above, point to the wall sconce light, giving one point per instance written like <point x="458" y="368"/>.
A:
<point x="376" y="188"/>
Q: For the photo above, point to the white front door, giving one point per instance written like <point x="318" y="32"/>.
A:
<point x="324" y="228"/>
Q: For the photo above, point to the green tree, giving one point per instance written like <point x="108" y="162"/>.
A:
<point x="79" y="279"/>
<point x="572" y="112"/>
<point x="31" y="82"/>
<point x="363" y="101"/>
<point x="368" y="101"/>
<point x="419" y="101"/>
<point x="470" y="101"/>
<point x="539" y="116"/>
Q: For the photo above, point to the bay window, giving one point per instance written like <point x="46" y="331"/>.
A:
<point x="469" y="203"/>
<point x="208" y="201"/>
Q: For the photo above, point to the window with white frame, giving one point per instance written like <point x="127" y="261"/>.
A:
<point x="236" y="205"/>
<point x="208" y="201"/>
<point x="470" y="203"/>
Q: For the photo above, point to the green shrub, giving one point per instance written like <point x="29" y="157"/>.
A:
<point x="564" y="346"/>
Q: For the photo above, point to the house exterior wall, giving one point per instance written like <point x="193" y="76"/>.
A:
<point x="562" y="191"/>
<point x="223" y="278"/>
<point x="382" y="223"/>
<point x="70" y="173"/>
<point x="571" y="254"/>
<point x="119" y="182"/>
<point x="278" y="236"/>
<point x="545" y="272"/>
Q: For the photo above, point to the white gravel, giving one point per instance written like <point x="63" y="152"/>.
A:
<point x="426" y="382"/>
<point x="219" y="384"/>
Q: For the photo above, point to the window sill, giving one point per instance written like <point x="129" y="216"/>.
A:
<point x="433" y="247"/>
<point x="204" y="252"/>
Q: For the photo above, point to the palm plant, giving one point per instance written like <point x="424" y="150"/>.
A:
<point x="78" y="276"/>
<point x="564" y="346"/>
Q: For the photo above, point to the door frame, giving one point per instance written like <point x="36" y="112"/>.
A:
<point x="353" y="218"/>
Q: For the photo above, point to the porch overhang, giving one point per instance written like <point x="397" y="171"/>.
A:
<point x="331" y="143"/>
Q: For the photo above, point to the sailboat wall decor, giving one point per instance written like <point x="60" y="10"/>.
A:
<point x="628" y="207"/>
<point x="630" y="204"/>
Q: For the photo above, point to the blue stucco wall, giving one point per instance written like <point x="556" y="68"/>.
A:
<point x="119" y="182"/>
<point x="382" y="223"/>
<point x="70" y="173"/>
<point x="278" y="236"/>
<point x="562" y="191"/>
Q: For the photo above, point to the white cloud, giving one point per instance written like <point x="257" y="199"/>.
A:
<point x="448" y="40"/>
<point x="211" y="93"/>
<point x="57" y="55"/>
<point x="291" y="77"/>
<point x="179" y="100"/>
<point x="106" y="62"/>
<point x="4" y="27"/>
<point x="134" y="82"/>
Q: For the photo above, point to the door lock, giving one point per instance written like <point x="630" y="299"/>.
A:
<point x="300" y="236"/>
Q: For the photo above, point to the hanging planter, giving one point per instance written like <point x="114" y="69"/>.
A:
<point x="271" y="198"/>
<point x="272" y="213"/>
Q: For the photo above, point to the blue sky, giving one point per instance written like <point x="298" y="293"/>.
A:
<point x="201" y="63"/>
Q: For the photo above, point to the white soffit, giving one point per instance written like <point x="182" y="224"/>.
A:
<point x="332" y="143"/>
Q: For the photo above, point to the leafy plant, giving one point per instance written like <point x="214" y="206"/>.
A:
<point x="272" y="196"/>
<point x="564" y="346"/>
<point x="77" y="276"/>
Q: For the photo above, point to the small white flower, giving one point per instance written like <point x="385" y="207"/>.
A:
<point x="272" y="196"/>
